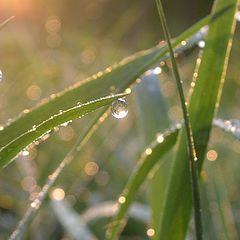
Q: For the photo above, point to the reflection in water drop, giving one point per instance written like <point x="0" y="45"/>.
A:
<point x="119" y="108"/>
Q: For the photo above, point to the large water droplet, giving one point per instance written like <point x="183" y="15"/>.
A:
<point x="119" y="108"/>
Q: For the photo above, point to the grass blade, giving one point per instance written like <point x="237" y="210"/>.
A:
<point x="11" y="150"/>
<point x="202" y="107"/>
<point x="37" y="203"/>
<point x="148" y="160"/>
<point x="4" y="23"/>
<point x="191" y="146"/>
<point x="148" y="93"/>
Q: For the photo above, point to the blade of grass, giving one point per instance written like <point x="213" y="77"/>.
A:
<point x="4" y="23"/>
<point x="37" y="203"/>
<point x="148" y="93"/>
<point x="203" y="104"/>
<point x="11" y="150"/>
<point x="148" y="160"/>
<point x="120" y="76"/>
<point x="191" y="146"/>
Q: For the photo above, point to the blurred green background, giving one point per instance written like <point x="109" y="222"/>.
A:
<point x="53" y="44"/>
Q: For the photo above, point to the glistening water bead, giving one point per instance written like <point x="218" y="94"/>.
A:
<point x="1" y="75"/>
<point x="119" y="108"/>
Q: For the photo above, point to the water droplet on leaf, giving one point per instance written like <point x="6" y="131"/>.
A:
<point x="119" y="108"/>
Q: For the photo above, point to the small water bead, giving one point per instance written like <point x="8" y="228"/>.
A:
<point x="201" y="44"/>
<point x="121" y="199"/>
<point x="1" y="75"/>
<point x="119" y="108"/>
<point x="157" y="70"/>
<point x="25" y="153"/>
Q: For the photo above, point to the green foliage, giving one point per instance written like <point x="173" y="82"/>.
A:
<point x="108" y="158"/>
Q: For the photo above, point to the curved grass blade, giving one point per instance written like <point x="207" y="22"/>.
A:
<point x="193" y="164"/>
<point x="11" y="150"/>
<point x="120" y="76"/>
<point x="4" y="23"/>
<point x="37" y="203"/>
<point x="203" y="104"/>
<point x="148" y="160"/>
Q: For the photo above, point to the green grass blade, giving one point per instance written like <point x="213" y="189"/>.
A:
<point x="149" y="159"/>
<point x="80" y="142"/>
<point x="11" y="150"/>
<point x="120" y="76"/>
<point x="148" y="93"/>
<point x="191" y="145"/>
<point x="4" y="23"/>
<point x="203" y="104"/>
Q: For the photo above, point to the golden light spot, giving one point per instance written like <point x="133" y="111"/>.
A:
<point x="121" y="199"/>
<point x="28" y="183"/>
<point x="88" y="56"/>
<point x="66" y="133"/>
<point x="102" y="178"/>
<point x="58" y="194"/>
<point x="91" y="168"/>
<point x="53" y="25"/>
<point x="150" y="232"/>
<point x="34" y="92"/>
<point x="212" y="155"/>
<point x="148" y="151"/>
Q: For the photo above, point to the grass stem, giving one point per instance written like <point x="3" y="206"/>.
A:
<point x="191" y="147"/>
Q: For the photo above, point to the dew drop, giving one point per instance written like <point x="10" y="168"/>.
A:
<point x="25" y="153"/>
<point x="119" y="108"/>
<point x="121" y="199"/>
<point x="201" y="44"/>
<point x="157" y="70"/>
<point x="1" y="128"/>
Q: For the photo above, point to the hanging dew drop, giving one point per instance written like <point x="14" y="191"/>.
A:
<point x="119" y="108"/>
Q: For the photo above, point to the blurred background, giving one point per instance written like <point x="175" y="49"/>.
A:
<point x="53" y="44"/>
